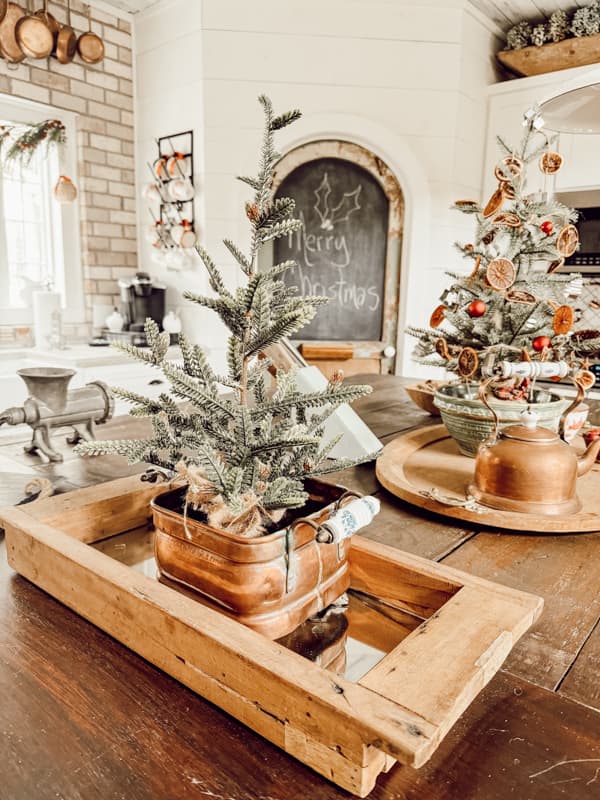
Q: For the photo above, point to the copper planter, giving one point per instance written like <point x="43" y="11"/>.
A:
<point x="271" y="583"/>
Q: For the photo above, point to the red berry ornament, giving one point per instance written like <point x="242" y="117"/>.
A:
<point x="477" y="308"/>
<point x="540" y="342"/>
<point x="547" y="227"/>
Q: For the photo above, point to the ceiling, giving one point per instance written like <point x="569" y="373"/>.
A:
<point x="131" y="6"/>
<point x="503" y="13"/>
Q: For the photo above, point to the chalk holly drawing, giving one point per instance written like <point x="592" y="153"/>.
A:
<point x="340" y="213"/>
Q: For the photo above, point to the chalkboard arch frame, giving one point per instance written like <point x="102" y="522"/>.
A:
<point x="387" y="180"/>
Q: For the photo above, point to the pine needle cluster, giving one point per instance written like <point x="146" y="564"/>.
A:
<point x="265" y="437"/>
<point x="513" y="318"/>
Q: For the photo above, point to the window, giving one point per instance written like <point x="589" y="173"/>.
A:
<point x="39" y="241"/>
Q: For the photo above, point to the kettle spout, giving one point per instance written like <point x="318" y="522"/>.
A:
<point x="586" y="461"/>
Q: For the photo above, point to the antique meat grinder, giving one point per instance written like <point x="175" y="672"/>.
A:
<point x="525" y="468"/>
<point x="51" y="405"/>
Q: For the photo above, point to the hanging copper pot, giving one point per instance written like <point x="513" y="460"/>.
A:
<point x="90" y="46"/>
<point x="10" y="49"/>
<point x="50" y="21"/>
<point x="34" y="37"/>
<point x="66" y="42"/>
<point x="3" y="7"/>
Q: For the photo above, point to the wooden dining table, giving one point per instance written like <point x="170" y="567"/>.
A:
<point x="84" y="718"/>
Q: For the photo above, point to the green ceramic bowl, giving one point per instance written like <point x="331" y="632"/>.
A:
<point x="469" y="422"/>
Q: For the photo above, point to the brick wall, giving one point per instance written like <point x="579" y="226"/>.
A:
<point x="102" y="97"/>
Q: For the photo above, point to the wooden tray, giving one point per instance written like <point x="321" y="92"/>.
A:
<point x="428" y="459"/>
<point x="455" y="631"/>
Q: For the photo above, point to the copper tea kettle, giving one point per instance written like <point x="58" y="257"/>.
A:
<point x="528" y="469"/>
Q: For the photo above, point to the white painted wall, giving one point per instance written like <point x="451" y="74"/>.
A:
<point x="405" y="79"/>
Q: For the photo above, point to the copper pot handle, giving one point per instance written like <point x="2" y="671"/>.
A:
<point x="482" y="394"/>
<point x="579" y="397"/>
<point x="324" y="536"/>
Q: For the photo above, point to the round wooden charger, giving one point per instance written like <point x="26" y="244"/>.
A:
<point x="428" y="459"/>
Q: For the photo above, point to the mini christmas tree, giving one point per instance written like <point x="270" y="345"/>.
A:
<point x="245" y="456"/>
<point x="513" y="304"/>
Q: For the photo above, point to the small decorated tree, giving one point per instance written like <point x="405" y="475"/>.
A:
<point x="246" y="455"/>
<point x="512" y="304"/>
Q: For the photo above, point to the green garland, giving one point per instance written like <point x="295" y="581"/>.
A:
<point x="18" y="143"/>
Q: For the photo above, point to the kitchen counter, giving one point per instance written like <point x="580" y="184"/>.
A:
<point x="76" y="356"/>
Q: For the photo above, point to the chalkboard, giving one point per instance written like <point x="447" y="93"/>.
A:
<point x="341" y="250"/>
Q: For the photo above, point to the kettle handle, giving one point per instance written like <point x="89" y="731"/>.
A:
<point x="482" y="393"/>
<point x="571" y="407"/>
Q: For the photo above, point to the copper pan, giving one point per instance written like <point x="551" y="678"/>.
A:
<point x="66" y="42"/>
<point x="3" y="6"/>
<point x="50" y="21"/>
<point x="9" y="46"/>
<point x="34" y="37"/>
<point x="90" y="46"/>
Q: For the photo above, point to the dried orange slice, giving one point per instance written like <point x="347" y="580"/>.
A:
<point x="509" y="219"/>
<point x="554" y="265"/>
<point x="507" y="189"/>
<point x="511" y="165"/>
<point x="501" y="274"/>
<point x="567" y="241"/>
<point x="494" y="203"/>
<point x="441" y="347"/>
<point x="438" y="316"/>
<point x="468" y="361"/>
<point x="585" y="378"/>
<point x="466" y="203"/>
<point x="563" y="319"/>
<point x="521" y="296"/>
<point x="551" y="162"/>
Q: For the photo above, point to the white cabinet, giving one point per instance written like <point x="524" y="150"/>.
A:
<point x="507" y="103"/>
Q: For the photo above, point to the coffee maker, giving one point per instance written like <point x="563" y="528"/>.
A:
<point x="141" y="298"/>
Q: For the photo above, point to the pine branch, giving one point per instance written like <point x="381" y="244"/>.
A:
<point x="238" y="255"/>
<point x="137" y="352"/>
<point x="215" y="278"/>
<point x="285" y="119"/>
<point x="344" y="394"/>
<point x="188" y="388"/>
<point x="346" y="463"/>
<point x="253" y="182"/>
<point x="134" y="450"/>
<point x="280" y="229"/>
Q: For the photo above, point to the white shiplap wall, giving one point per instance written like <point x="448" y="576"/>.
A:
<point x="406" y="79"/>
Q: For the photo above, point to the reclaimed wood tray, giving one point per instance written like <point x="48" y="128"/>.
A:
<point x="425" y="465"/>
<point x="428" y="637"/>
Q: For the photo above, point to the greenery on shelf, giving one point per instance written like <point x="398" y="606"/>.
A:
<point x="512" y="304"/>
<point x="584" y="21"/>
<point x="19" y="142"/>
<point x="245" y="456"/>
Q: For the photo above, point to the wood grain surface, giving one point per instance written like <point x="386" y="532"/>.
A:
<point x="82" y="718"/>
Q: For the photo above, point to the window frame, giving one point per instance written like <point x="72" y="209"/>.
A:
<point x="73" y="308"/>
